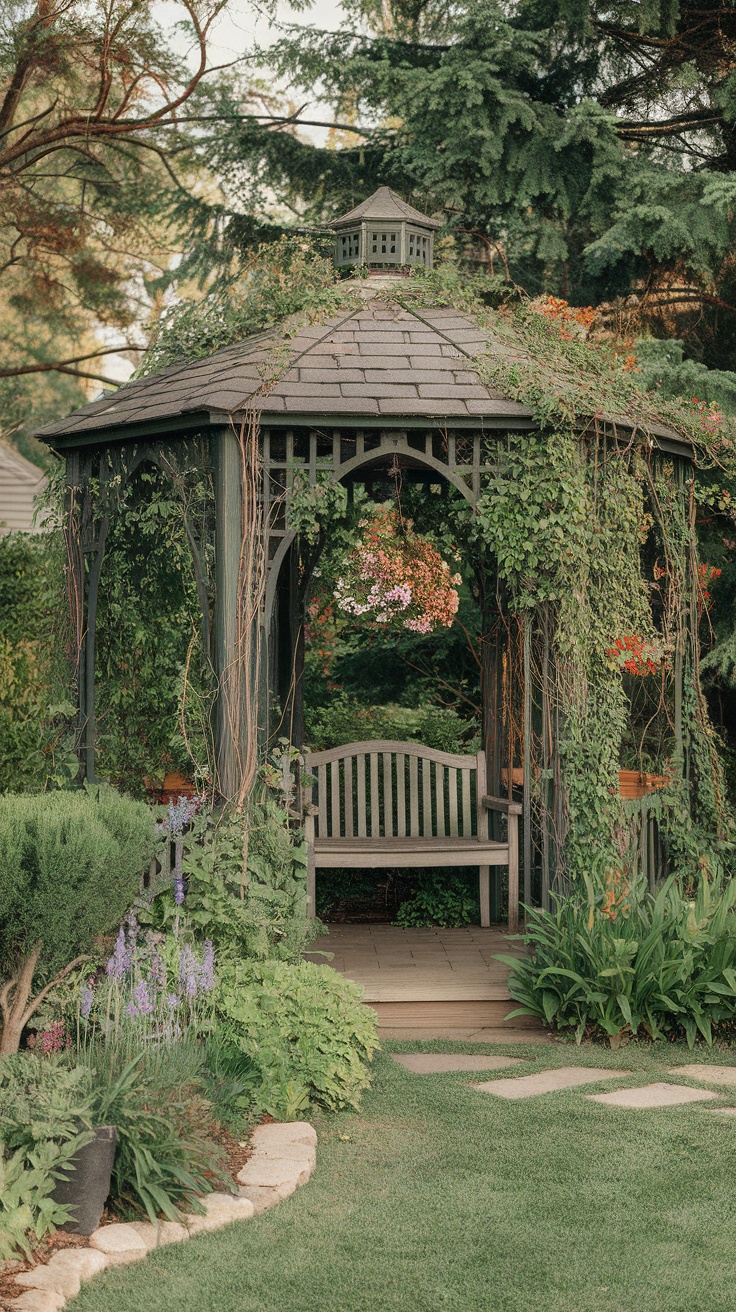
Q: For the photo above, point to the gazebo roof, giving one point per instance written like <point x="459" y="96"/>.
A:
<point x="384" y="204"/>
<point x="378" y="360"/>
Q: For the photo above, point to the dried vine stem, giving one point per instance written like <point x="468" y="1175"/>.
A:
<point x="240" y="678"/>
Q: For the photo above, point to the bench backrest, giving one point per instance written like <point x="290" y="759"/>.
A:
<point x="396" y="790"/>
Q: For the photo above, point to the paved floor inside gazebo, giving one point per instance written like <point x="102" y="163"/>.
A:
<point x="431" y="983"/>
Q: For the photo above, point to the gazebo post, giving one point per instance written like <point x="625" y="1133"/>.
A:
<point x="228" y="542"/>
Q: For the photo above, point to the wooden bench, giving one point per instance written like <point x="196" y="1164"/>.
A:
<point x="380" y="805"/>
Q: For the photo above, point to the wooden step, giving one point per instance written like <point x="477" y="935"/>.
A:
<point x="469" y="1013"/>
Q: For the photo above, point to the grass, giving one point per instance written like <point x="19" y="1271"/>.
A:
<point x="438" y="1198"/>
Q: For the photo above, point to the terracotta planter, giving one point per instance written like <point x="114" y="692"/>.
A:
<point x="176" y="786"/>
<point x="632" y="784"/>
<point x="88" y="1184"/>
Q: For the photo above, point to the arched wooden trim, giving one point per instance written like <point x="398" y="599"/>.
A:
<point x="338" y="475"/>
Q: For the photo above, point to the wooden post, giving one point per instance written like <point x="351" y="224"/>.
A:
<point x="484" y="873"/>
<point x="93" y="592"/>
<point x="527" y="760"/>
<point x="513" y="871"/>
<point x="228" y="541"/>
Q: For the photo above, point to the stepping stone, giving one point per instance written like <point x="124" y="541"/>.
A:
<point x="653" y="1095"/>
<point x="438" y="1063"/>
<point x="564" y="1077"/>
<point x="724" y="1111"/>
<point x="708" y="1074"/>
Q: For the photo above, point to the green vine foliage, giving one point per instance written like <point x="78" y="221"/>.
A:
<point x="150" y="656"/>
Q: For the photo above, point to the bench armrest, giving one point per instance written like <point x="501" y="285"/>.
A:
<point x="502" y="804"/>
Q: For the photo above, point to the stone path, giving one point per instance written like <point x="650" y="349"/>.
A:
<point x="652" y="1095"/>
<point x="708" y="1074"/>
<point x="656" y="1094"/>
<point x="438" y="1063"/>
<point x="550" y="1081"/>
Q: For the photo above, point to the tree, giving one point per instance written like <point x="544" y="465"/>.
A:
<point x="70" y="865"/>
<point x="587" y="149"/>
<point x="93" y="163"/>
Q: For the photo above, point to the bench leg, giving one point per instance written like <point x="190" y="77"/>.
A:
<point x="311" y="884"/>
<point x="485" y="895"/>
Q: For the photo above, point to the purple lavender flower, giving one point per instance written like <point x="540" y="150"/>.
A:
<point x="157" y="969"/>
<point x="178" y="889"/>
<point x="131" y="1009"/>
<point x="188" y="971"/>
<point x="87" y="997"/>
<point x="119" y="963"/>
<point x="141" y="998"/>
<point x="172" y="1001"/>
<point x="207" y="972"/>
<point x="181" y="813"/>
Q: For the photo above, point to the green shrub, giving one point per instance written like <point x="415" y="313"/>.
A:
<point x="261" y="913"/>
<point x="623" y="961"/>
<point x="348" y="720"/>
<point x="305" y="1028"/>
<point x="70" y="865"/>
<point x="36" y="733"/>
<point x="42" y="1106"/>
<point x="442" y="897"/>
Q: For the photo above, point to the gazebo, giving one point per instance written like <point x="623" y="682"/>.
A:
<point x="390" y="383"/>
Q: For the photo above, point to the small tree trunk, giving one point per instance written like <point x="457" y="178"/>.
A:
<point x="14" y="1003"/>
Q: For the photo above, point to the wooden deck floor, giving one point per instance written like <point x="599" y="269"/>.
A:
<point x="420" y="978"/>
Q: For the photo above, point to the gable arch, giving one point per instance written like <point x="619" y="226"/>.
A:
<point x="377" y="457"/>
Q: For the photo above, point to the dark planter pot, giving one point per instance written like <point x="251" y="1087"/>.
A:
<point x="89" y="1181"/>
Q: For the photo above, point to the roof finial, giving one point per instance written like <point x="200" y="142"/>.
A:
<point x="384" y="233"/>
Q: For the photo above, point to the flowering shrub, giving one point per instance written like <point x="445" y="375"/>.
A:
<point x="154" y="987"/>
<point x="636" y="655"/>
<point x="711" y="417"/>
<point x="394" y="575"/>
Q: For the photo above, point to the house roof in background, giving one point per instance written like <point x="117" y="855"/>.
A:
<point x="20" y="482"/>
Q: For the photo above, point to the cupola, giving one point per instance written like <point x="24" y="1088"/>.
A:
<point x="384" y="233"/>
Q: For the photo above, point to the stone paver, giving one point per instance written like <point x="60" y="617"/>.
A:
<point x="166" y="1232"/>
<point x="116" y="1240"/>
<point x="220" y="1210"/>
<point x="724" y="1111"/>
<point x="39" y="1300"/>
<point x="708" y="1074"/>
<point x="549" y="1081"/>
<point x="284" y="1156"/>
<point x="439" y="1063"/>
<point x="652" y="1095"/>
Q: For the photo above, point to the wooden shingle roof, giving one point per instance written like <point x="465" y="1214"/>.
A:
<point x="378" y="359"/>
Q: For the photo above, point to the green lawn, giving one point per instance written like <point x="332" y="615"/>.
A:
<point x="438" y="1198"/>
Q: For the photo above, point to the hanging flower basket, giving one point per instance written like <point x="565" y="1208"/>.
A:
<point x="395" y="577"/>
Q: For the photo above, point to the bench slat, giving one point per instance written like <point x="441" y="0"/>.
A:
<point x="322" y="799"/>
<point x="467" y="814"/>
<point x="439" y="788"/>
<point x="452" y="787"/>
<point x="427" y="799"/>
<point x="335" y="797"/>
<point x="400" y="795"/>
<point x="362" y="821"/>
<point x="375" y="802"/>
<point x="349" y="825"/>
<point x="413" y="796"/>
<point x="388" y="797"/>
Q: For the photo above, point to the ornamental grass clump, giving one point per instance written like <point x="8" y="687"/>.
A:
<point x="70" y="866"/>
<point x="622" y="962"/>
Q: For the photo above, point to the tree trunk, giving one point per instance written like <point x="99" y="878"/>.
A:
<point x="15" y="1013"/>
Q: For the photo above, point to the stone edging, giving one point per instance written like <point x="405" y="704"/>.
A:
<point x="284" y="1156"/>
